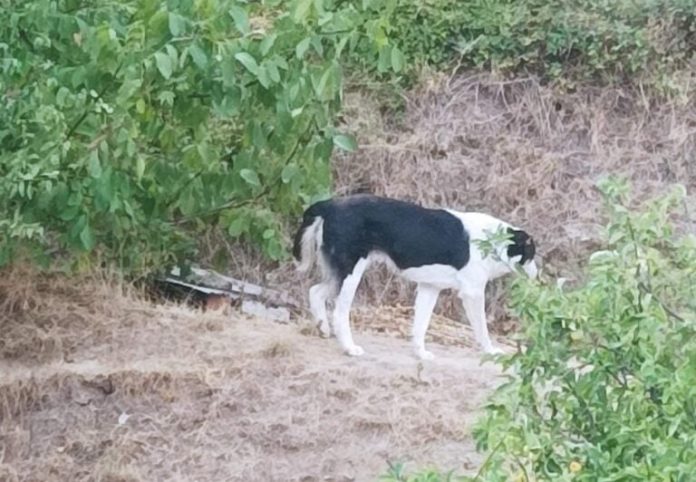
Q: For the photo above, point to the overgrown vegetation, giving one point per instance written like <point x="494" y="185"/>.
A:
<point x="603" y="385"/>
<point x="607" y="41"/>
<point x="130" y="128"/>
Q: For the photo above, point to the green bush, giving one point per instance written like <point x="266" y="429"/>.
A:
<point x="608" y="41"/>
<point x="603" y="387"/>
<point x="127" y="128"/>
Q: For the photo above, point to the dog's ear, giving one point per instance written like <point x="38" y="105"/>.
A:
<point x="522" y="244"/>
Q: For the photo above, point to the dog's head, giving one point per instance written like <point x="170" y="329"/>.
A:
<point x="522" y="250"/>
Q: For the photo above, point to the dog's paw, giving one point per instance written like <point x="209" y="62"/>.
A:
<point x="494" y="350"/>
<point x="325" y="329"/>
<point x="355" y="350"/>
<point x="424" y="354"/>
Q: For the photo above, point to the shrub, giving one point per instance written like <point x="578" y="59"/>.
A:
<point x="128" y="127"/>
<point x="603" y="387"/>
<point x="606" y="41"/>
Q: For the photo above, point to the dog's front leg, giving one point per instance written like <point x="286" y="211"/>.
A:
<point x="344" y="301"/>
<point x="426" y="297"/>
<point x="475" y="307"/>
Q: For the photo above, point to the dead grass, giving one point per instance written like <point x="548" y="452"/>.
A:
<point x="519" y="151"/>
<point x="515" y="149"/>
<point x="98" y="385"/>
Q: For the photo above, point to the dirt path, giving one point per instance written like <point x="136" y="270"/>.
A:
<point x="144" y="393"/>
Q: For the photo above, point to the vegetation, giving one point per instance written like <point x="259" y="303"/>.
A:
<point x="606" y="41"/>
<point x="129" y="128"/>
<point x="602" y="387"/>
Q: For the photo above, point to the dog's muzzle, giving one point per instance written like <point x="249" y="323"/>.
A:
<point x="531" y="269"/>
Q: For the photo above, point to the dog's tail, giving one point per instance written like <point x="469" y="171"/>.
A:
<point x="308" y="239"/>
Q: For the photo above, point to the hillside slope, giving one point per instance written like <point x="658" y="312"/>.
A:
<point x="97" y="386"/>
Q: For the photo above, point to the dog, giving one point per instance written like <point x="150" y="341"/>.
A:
<point x="435" y="248"/>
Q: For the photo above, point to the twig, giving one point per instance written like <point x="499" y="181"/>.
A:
<point x="84" y="115"/>
<point x="488" y="459"/>
<point x="668" y="310"/>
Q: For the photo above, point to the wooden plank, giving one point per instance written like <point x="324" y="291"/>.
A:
<point x="209" y="281"/>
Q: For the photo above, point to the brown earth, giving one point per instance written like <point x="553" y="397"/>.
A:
<point x="97" y="384"/>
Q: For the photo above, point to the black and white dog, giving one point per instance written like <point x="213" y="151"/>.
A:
<point x="435" y="248"/>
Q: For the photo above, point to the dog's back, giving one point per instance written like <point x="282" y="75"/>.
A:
<point x="355" y="227"/>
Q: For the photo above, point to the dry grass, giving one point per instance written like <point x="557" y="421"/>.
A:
<point x="515" y="149"/>
<point x="98" y="385"/>
<point x="519" y="151"/>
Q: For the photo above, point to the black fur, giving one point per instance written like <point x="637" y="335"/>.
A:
<point x="409" y="234"/>
<point x="522" y="245"/>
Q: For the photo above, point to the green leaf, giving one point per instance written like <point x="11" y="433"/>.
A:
<point x="302" y="47"/>
<point x="241" y="19"/>
<point x="385" y="59"/>
<point x="289" y="172"/>
<point x="263" y="77"/>
<point x="95" y="169"/>
<point x="250" y="176"/>
<point x="69" y="213"/>
<point x="139" y="167"/>
<point x="273" y="72"/>
<point x="248" y="61"/>
<point x="328" y="85"/>
<point x="267" y="43"/>
<point x="177" y="24"/>
<point x="166" y="97"/>
<point x="61" y="96"/>
<point x="198" y="56"/>
<point x="206" y="152"/>
<point x="173" y="54"/>
<point x="345" y="142"/>
<point x="300" y="10"/>
<point x="87" y="237"/>
<point x="164" y="64"/>
<point x="397" y="59"/>
<point x="341" y="45"/>
<point x="239" y="225"/>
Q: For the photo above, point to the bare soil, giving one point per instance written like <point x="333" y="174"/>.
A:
<point x="100" y="385"/>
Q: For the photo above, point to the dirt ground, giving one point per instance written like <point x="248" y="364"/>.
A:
<point x="100" y="385"/>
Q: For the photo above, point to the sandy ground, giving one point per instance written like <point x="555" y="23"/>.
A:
<point x="92" y="389"/>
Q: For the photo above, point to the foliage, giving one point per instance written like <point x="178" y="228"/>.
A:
<point x="603" y="387"/>
<point x="129" y="127"/>
<point x="602" y="40"/>
<point x="396" y="473"/>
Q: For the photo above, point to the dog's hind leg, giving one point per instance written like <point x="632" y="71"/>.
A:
<point x="318" y="294"/>
<point x="426" y="297"/>
<point x="344" y="301"/>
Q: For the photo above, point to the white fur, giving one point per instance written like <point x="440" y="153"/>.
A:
<point x="469" y="282"/>
<point x="426" y="297"/>
<point x="311" y="244"/>
<point x="342" y="309"/>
